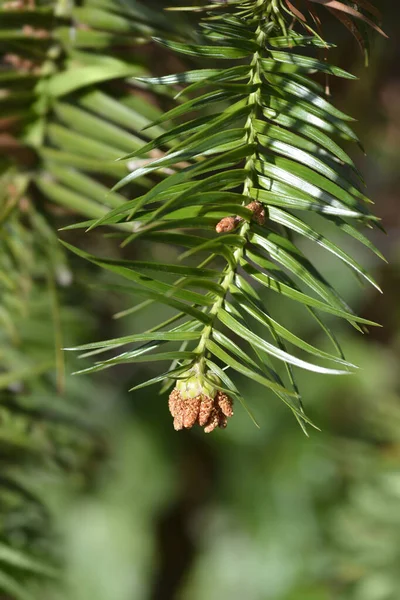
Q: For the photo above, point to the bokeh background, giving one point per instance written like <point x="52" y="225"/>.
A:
<point x="261" y="514"/>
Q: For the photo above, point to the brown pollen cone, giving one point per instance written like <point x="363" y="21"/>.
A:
<point x="207" y="412"/>
<point x="185" y="412"/>
<point x="258" y="212"/>
<point x="226" y="224"/>
<point x="225" y="404"/>
<point x="222" y="410"/>
<point x="206" y="407"/>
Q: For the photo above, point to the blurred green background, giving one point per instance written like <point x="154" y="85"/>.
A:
<point x="261" y="514"/>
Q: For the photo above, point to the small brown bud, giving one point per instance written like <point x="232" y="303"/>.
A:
<point x="225" y="404"/>
<point x="192" y="407"/>
<point x="227" y="224"/>
<point x="222" y="410"/>
<point x="258" y="212"/>
<point x="206" y="407"/>
<point x="184" y="411"/>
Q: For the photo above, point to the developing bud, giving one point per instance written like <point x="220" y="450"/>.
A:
<point x="195" y="400"/>
<point x="258" y="212"/>
<point x="228" y="224"/>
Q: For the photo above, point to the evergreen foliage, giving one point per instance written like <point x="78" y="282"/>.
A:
<point x="256" y="155"/>
<point x="235" y="177"/>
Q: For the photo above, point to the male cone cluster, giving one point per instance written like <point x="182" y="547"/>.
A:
<point x="193" y="401"/>
<point x="228" y="224"/>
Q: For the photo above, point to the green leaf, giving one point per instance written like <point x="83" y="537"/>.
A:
<point x="71" y="141"/>
<point x="320" y="146"/>
<point x="71" y="200"/>
<point x="307" y="130"/>
<point x="282" y="111"/>
<point x="152" y="284"/>
<point x="217" y="143"/>
<point x="296" y="39"/>
<point x="199" y="75"/>
<point x="306" y="94"/>
<point x="77" y="77"/>
<point x="96" y="127"/>
<point x="297" y="225"/>
<point x="132" y="116"/>
<point x="225" y="180"/>
<point x="128" y="357"/>
<point x="353" y="232"/>
<point x="166" y="336"/>
<point x="309" y="63"/>
<point x="205" y="166"/>
<point x="311" y="161"/>
<point x="276" y="285"/>
<point x="288" y="255"/>
<point x="166" y="138"/>
<point x="255" y="340"/>
<point x="88" y="186"/>
<point x="233" y="348"/>
<point x="237" y="112"/>
<point x="292" y="200"/>
<point x="242" y="300"/>
<point x="240" y="368"/>
<point x="174" y="374"/>
<point x="120" y="359"/>
<point x="231" y="389"/>
<point x="304" y="179"/>
<point x="91" y="165"/>
<point x="209" y="100"/>
<point x="164" y="268"/>
<point x="226" y="52"/>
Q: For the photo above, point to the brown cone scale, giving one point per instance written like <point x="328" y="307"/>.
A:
<point x="209" y="413"/>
